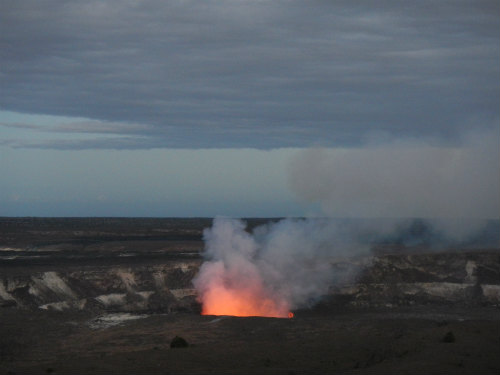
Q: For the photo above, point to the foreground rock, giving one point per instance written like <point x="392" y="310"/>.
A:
<point x="409" y="340"/>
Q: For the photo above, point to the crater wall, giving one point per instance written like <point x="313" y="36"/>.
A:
<point x="469" y="278"/>
<point x="153" y="287"/>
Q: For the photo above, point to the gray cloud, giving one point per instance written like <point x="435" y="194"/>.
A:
<point x="261" y="74"/>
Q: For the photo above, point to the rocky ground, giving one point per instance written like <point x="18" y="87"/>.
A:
<point x="109" y="296"/>
<point x="428" y="340"/>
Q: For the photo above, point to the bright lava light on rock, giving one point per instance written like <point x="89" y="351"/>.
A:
<point x="219" y="300"/>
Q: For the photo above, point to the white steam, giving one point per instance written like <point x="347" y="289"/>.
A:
<point x="406" y="193"/>
<point x="291" y="262"/>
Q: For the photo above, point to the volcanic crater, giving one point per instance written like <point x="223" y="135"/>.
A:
<point x="107" y="295"/>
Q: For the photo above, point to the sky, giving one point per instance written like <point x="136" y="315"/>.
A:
<point x="250" y="108"/>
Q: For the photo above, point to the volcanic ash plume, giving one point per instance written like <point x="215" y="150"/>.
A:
<point x="277" y="268"/>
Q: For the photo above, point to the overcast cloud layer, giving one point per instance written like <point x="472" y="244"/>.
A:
<point x="262" y="74"/>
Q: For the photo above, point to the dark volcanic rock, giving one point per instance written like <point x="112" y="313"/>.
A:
<point x="135" y="264"/>
<point x="116" y="288"/>
<point x="178" y="342"/>
<point x="388" y="280"/>
<point x="435" y="277"/>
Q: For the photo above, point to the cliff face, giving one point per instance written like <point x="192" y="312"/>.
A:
<point x="407" y="279"/>
<point x="113" y="264"/>
<point x="139" y="264"/>
<point x="159" y="287"/>
<point x="471" y="278"/>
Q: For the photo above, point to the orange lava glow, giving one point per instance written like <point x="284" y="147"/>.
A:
<point x="223" y="301"/>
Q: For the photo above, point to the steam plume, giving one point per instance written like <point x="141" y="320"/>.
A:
<point x="452" y="191"/>
<point x="404" y="179"/>
<point x="277" y="268"/>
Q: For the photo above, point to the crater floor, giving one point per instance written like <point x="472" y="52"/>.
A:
<point x="413" y="340"/>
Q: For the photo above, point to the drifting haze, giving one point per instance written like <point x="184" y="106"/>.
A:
<point x="292" y="263"/>
<point x="403" y="178"/>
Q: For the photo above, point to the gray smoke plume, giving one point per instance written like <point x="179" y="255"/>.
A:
<point x="292" y="263"/>
<point x="404" y="179"/>
<point x="405" y="193"/>
<point x="278" y="267"/>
